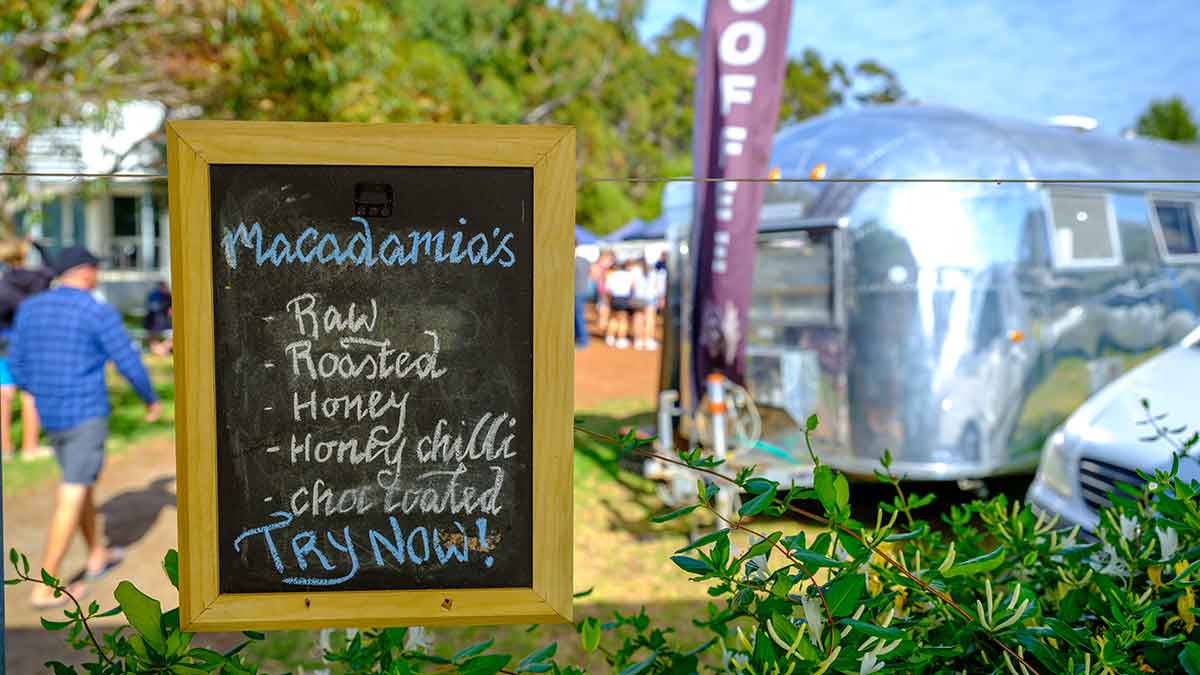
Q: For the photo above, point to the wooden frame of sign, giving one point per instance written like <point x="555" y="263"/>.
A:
<point x="193" y="147"/>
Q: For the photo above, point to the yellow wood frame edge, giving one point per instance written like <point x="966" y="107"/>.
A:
<point x="192" y="146"/>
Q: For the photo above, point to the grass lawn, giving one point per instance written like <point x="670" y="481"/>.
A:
<point x="125" y="426"/>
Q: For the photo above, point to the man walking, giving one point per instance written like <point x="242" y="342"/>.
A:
<point x="60" y="343"/>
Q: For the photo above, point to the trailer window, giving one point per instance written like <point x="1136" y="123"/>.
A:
<point x="793" y="279"/>
<point x="1083" y="232"/>
<point x="1177" y="227"/>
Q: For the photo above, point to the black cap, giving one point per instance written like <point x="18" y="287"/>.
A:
<point x="73" y="256"/>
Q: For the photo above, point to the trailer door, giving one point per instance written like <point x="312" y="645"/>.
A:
<point x="796" y="352"/>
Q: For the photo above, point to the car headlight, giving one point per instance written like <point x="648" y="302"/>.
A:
<point x="1056" y="471"/>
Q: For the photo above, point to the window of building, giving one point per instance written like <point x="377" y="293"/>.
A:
<point x="52" y="217"/>
<point x="1083" y="232"/>
<point x="125" y="216"/>
<point x="1177" y="231"/>
<point x="79" y="221"/>
<point x="125" y="240"/>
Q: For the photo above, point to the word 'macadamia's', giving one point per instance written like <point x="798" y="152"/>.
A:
<point x="313" y="246"/>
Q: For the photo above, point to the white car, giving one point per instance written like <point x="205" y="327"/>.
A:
<point x="1103" y="441"/>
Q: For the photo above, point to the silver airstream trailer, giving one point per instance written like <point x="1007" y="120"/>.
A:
<point x="954" y="323"/>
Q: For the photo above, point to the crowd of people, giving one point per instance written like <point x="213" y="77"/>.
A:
<point x="626" y="297"/>
<point x="57" y="337"/>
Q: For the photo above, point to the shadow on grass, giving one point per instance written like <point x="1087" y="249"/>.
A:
<point x="601" y="460"/>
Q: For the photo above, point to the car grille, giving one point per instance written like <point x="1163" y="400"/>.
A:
<point x="1097" y="479"/>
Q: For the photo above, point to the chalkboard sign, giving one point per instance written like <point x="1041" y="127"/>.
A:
<point x="373" y="373"/>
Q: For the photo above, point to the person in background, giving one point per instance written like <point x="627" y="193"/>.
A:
<point x="638" y="307"/>
<point x="660" y="291"/>
<point x="17" y="283"/>
<point x="646" y="320"/>
<point x="61" y="341"/>
<point x="583" y="273"/>
<point x="619" y="283"/>
<point x="600" y="270"/>
<point x="157" y="322"/>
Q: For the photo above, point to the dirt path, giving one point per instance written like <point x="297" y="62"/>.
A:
<point x="603" y="373"/>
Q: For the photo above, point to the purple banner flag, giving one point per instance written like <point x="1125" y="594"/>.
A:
<point x="738" y="84"/>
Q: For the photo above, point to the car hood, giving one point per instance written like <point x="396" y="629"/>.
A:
<point x="1112" y="425"/>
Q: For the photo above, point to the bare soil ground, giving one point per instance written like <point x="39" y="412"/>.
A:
<point x="603" y="373"/>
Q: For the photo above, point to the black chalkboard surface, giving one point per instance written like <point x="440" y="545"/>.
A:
<point x="373" y="339"/>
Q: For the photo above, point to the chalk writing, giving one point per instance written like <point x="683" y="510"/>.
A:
<point x="373" y="378"/>
<point x="312" y="246"/>
<point x="332" y="559"/>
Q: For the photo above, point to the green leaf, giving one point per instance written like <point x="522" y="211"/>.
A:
<point x="139" y="647"/>
<point x="874" y="630"/>
<point x="171" y="567"/>
<point x="60" y="668"/>
<point x="144" y="614"/>
<point x="705" y="540"/>
<point x="49" y="580"/>
<point x="904" y="536"/>
<point x="536" y="658"/>
<point x="758" y="504"/>
<point x="677" y="513"/>
<point x="823" y="483"/>
<point x="584" y="594"/>
<point x="843" y="593"/>
<point x="806" y="556"/>
<point x="589" y="632"/>
<point x="254" y="635"/>
<point x="762" y="546"/>
<point x="760" y="485"/>
<point x="208" y="657"/>
<point x="488" y="664"/>
<point x="984" y="563"/>
<point x="720" y="553"/>
<point x="1068" y="634"/>
<point x="640" y="666"/>
<point x="472" y="650"/>
<point x="811" y="423"/>
<point x="1187" y="572"/>
<point x="1189" y="658"/>
<point x="691" y="565"/>
<point x="55" y="625"/>
<point x="841" y="488"/>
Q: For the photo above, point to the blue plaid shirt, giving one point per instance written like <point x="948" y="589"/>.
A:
<point x="60" y="341"/>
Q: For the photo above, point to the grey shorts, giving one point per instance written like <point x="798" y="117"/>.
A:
<point x="80" y="450"/>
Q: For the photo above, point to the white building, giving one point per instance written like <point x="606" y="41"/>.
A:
<point x="121" y="220"/>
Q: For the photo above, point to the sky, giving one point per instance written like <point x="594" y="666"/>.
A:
<point x="1028" y="59"/>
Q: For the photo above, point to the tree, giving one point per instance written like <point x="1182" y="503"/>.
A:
<point x="1169" y="119"/>
<point x="64" y="63"/>
<point x="473" y="61"/>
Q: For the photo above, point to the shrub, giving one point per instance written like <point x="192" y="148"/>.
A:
<point x="991" y="588"/>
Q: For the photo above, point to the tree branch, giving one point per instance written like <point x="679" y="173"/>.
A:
<point x="122" y="12"/>
<point x="543" y="111"/>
